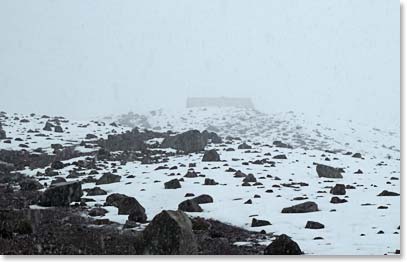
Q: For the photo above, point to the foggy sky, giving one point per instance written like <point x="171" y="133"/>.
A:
<point x="87" y="58"/>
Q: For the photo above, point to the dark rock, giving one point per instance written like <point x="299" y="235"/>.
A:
<point x="301" y="208"/>
<point x="57" y="165"/>
<point x="129" y="141"/>
<point x="244" y="146"/>
<point x="357" y="155"/>
<point x="189" y="206"/>
<point x="127" y="206"/>
<point x="91" y="136"/>
<point x="328" y="171"/>
<point x="314" y="225"/>
<point x="239" y="174"/>
<point x="203" y="199"/>
<point x="189" y="142"/>
<point x="260" y="223"/>
<point x="108" y="178"/>
<point x="250" y="178"/>
<point x="30" y="185"/>
<point x="212" y="137"/>
<point x="248" y="202"/>
<point x="58" y="129"/>
<point x="62" y="194"/>
<point x="172" y="184"/>
<point x="280" y="157"/>
<point x="57" y="180"/>
<point x="338" y="189"/>
<point x="283" y="245"/>
<point x="281" y="144"/>
<point x="388" y="193"/>
<point x="96" y="191"/>
<point x="2" y="133"/>
<point x="337" y="200"/>
<point x="97" y="211"/>
<point x="130" y="224"/>
<point x="191" y="174"/>
<point x="48" y="126"/>
<point x="170" y="233"/>
<point x="211" y="155"/>
<point x="210" y="182"/>
<point x="14" y="222"/>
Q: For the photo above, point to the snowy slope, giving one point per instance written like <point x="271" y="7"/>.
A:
<point x="351" y="228"/>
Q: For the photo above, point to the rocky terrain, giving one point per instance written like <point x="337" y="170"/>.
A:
<point x="199" y="181"/>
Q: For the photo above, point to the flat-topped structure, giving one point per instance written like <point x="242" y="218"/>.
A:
<point x="242" y="102"/>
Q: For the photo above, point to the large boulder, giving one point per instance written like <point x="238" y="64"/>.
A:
<point x="127" y="206"/>
<point x="283" y="245"/>
<point x="301" y="208"/>
<point x="211" y="155"/>
<point x="108" y="178"/>
<point x="191" y="141"/>
<point x="328" y="171"/>
<point x="170" y="233"/>
<point x="62" y="194"/>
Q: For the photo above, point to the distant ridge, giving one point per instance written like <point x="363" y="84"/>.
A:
<point x="242" y="102"/>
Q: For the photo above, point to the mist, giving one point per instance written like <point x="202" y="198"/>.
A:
<point x="90" y="58"/>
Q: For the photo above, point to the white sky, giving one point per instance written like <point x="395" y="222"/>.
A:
<point x="84" y="58"/>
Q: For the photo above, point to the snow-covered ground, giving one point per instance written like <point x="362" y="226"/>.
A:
<point x="351" y="228"/>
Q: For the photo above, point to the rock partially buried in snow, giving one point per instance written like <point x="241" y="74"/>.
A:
<point x="283" y="245"/>
<point x="260" y="223"/>
<point x="328" y="171"/>
<point x="210" y="182"/>
<point x="172" y="184"/>
<point x="244" y="146"/>
<point x="338" y="189"/>
<point x="314" y="225"/>
<point x="280" y="157"/>
<point x="170" y="233"/>
<point x="337" y="200"/>
<point x="388" y="193"/>
<point x="62" y="194"/>
<point x="301" y="208"/>
<point x="108" y="178"/>
<point x="96" y="191"/>
<point x="211" y="156"/>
